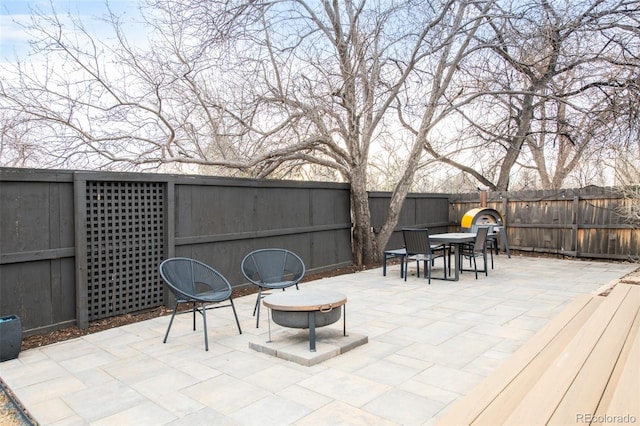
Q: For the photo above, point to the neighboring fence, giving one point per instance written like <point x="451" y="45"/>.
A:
<point x="80" y="246"/>
<point x="419" y="210"/>
<point x="582" y="223"/>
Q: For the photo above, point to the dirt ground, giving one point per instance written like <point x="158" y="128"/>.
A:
<point x="6" y="412"/>
<point x="9" y="413"/>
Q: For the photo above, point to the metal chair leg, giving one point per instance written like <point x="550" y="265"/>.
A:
<point x="170" y="323"/>
<point x="406" y="267"/>
<point x="195" y="307"/>
<point x="235" y="315"/>
<point x="486" y="269"/>
<point x="204" y="322"/>
<point x="475" y="266"/>
<point x="256" y="309"/>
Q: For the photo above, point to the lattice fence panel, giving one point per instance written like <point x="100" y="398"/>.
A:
<point x="125" y="245"/>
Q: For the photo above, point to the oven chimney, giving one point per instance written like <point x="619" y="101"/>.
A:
<point x="483" y="195"/>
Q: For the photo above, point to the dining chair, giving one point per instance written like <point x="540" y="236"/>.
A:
<point x="475" y="249"/>
<point x="492" y="241"/>
<point x="418" y="247"/>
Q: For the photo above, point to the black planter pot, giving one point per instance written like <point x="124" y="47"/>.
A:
<point x="10" y="337"/>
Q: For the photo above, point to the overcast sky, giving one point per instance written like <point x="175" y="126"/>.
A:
<point x="13" y="38"/>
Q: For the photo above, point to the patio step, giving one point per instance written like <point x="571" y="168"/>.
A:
<point x="581" y="367"/>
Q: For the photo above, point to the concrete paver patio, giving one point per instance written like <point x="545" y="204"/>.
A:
<point x="428" y="345"/>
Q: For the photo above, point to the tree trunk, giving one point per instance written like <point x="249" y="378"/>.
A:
<point x="400" y="194"/>
<point x="363" y="244"/>
<point x="516" y="142"/>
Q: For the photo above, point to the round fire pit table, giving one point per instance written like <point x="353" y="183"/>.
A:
<point x="307" y="309"/>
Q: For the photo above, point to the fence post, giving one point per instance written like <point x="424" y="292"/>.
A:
<point x="80" y="214"/>
<point x="576" y="224"/>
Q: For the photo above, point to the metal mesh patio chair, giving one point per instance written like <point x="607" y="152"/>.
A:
<point x="272" y="268"/>
<point x="416" y="242"/>
<point x="194" y="282"/>
<point x="476" y="249"/>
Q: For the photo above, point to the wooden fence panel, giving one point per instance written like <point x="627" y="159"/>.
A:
<point x="421" y="210"/>
<point x="37" y="247"/>
<point x="43" y="227"/>
<point x="220" y="222"/>
<point x="583" y="223"/>
<point x="50" y="234"/>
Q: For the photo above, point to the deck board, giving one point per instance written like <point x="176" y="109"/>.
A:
<point x="541" y="401"/>
<point x="583" y="366"/>
<point x="622" y="395"/>
<point x="483" y="404"/>
<point x="520" y="385"/>
<point x="590" y="383"/>
<point x="626" y="396"/>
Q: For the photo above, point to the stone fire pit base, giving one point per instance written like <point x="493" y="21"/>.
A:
<point x="293" y="345"/>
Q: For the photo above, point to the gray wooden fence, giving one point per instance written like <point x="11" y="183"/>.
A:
<point x="581" y="223"/>
<point x="419" y="210"/>
<point x="80" y="246"/>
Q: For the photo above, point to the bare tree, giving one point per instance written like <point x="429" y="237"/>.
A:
<point x="294" y="88"/>
<point x="357" y="66"/>
<point x="543" y="85"/>
<point x="625" y="162"/>
<point x="626" y="168"/>
<point x="261" y="88"/>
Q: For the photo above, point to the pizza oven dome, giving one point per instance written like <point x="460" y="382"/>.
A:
<point x="480" y="216"/>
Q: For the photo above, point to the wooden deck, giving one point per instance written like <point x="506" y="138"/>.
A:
<point x="581" y="368"/>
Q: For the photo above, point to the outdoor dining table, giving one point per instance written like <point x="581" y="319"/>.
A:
<point x="456" y="239"/>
